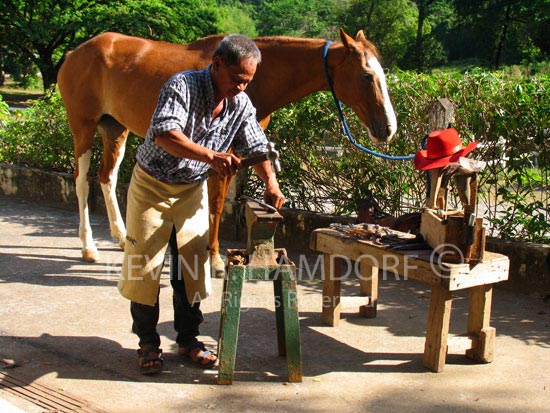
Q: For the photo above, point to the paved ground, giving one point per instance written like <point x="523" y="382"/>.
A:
<point x="65" y="335"/>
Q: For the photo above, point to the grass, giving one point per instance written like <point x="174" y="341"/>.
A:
<point x="16" y="96"/>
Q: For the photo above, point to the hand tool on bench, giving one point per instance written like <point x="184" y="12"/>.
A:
<point x="267" y="207"/>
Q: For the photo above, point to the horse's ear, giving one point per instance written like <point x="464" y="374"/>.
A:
<point x="360" y="36"/>
<point x="348" y="41"/>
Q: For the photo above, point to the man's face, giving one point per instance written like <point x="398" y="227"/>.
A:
<point x="231" y="80"/>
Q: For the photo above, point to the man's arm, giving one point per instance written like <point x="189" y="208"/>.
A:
<point x="272" y="195"/>
<point x="178" y="144"/>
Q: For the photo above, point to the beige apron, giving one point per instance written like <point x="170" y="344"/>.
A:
<point x="153" y="209"/>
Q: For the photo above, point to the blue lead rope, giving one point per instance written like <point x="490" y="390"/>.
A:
<point x="345" y="127"/>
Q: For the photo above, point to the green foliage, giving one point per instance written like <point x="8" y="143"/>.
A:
<point x="39" y="136"/>
<point x="391" y="25"/>
<point x="508" y="116"/>
<point x="502" y="31"/>
<point x="294" y="18"/>
<point x="507" y="112"/>
<point x="44" y="31"/>
<point x="4" y="112"/>
<point x="237" y="18"/>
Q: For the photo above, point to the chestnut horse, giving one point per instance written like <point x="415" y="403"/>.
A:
<point x="111" y="83"/>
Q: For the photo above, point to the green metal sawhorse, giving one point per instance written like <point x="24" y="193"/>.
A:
<point x="260" y="261"/>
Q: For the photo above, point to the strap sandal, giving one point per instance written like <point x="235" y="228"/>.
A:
<point x="150" y="360"/>
<point x="203" y="358"/>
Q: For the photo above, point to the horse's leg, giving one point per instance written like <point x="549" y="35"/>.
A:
<point x="114" y="137"/>
<point x="218" y="186"/>
<point x="83" y="135"/>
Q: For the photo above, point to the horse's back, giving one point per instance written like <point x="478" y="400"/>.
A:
<point x="122" y="76"/>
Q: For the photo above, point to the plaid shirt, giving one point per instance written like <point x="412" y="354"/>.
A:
<point x="186" y="103"/>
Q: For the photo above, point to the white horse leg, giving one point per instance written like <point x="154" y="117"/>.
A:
<point x="116" y="223"/>
<point x="114" y="137"/>
<point x="89" y="250"/>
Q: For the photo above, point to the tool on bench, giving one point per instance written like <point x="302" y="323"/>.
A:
<point x="267" y="207"/>
<point x="406" y="244"/>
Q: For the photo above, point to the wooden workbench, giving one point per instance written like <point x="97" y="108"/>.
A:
<point x="340" y="248"/>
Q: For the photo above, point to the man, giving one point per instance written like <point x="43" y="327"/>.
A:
<point x="199" y="115"/>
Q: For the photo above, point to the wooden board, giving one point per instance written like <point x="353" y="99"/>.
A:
<point x="416" y="265"/>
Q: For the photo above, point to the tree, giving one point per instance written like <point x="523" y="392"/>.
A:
<point x="390" y="24"/>
<point x="43" y="31"/>
<point x="504" y="30"/>
<point x="236" y="17"/>
<point x="312" y="18"/>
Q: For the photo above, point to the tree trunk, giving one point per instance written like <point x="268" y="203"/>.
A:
<point x="49" y="78"/>
<point x="502" y="37"/>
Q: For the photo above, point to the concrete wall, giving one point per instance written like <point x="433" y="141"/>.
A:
<point x="529" y="263"/>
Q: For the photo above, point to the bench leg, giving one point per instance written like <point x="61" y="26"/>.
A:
<point x="279" y="315"/>
<point x="229" y="323"/>
<point x="368" y="286"/>
<point x="290" y="333"/>
<point x="479" y="316"/>
<point x="331" y="289"/>
<point x="437" y="331"/>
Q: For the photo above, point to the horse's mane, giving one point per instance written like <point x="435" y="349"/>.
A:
<point x="287" y="40"/>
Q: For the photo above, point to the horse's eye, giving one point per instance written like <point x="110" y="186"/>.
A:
<point x="367" y="77"/>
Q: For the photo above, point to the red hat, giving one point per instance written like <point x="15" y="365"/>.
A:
<point x="443" y="147"/>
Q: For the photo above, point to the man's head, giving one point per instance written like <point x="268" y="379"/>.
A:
<point x="234" y="64"/>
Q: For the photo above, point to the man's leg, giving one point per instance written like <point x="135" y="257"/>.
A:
<point x="145" y="319"/>
<point x="187" y="317"/>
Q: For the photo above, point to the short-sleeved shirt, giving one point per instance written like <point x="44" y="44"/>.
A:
<point x="185" y="104"/>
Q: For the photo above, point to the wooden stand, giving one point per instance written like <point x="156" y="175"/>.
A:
<point x="479" y="340"/>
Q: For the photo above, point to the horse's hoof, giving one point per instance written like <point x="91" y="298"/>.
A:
<point x="218" y="266"/>
<point x="90" y="255"/>
<point x="122" y="244"/>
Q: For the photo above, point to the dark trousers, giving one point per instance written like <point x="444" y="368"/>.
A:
<point x="187" y="317"/>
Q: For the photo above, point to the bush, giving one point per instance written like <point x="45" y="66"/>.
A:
<point x="4" y="112"/>
<point x="508" y="114"/>
<point x="39" y="136"/>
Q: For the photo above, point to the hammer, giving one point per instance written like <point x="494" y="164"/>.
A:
<point x="272" y="154"/>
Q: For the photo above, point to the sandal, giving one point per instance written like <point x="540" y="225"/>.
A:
<point x="202" y="358"/>
<point x="150" y="360"/>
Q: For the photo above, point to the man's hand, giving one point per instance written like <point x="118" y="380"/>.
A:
<point x="225" y="164"/>
<point x="177" y="144"/>
<point x="272" y="195"/>
<point x="274" y="198"/>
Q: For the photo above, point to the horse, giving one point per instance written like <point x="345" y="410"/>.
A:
<point x="112" y="81"/>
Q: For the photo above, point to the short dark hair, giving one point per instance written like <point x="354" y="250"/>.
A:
<point x="235" y="47"/>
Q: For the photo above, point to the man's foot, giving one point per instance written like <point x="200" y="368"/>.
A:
<point x="199" y="355"/>
<point x="150" y="360"/>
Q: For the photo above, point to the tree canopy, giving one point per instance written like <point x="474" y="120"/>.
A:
<point x="43" y="31"/>
<point x="411" y="34"/>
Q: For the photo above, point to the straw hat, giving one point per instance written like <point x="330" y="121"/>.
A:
<point x="443" y="147"/>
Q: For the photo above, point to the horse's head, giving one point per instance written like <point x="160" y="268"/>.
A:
<point x="360" y="83"/>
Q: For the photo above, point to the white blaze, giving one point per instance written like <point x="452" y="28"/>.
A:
<point x="374" y="64"/>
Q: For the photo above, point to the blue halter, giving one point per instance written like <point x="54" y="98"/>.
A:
<point x="345" y="127"/>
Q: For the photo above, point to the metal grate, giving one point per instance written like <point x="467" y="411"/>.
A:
<point x="45" y="397"/>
